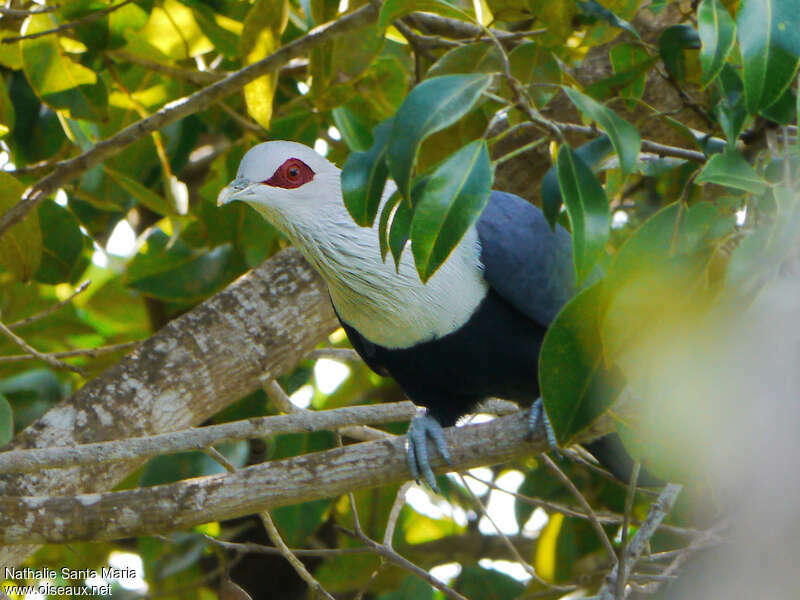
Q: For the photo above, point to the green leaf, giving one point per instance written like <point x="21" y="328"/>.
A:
<point x="59" y="81"/>
<point x="729" y="106"/>
<point x="364" y="178"/>
<point x="394" y="9"/>
<point x="769" y="41"/>
<point x="479" y="57"/>
<point x="261" y="36"/>
<point x="7" y="114"/>
<point x="6" y="421"/>
<point x="533" y="64"/>
<point x="21" y="246"/>
<point x="782" y="111"/>
<point x="387" y="218"/>
<point x="630" y="63"/>
<point x="400" y="231"/>
<point x="592" y="154"/>
<point x="587" y="208"/>
<point x="143" y="195"/>
<point x="671" y="44"/>
<point x="223" y="32"/>
<point x="717" y="34"/>
<point x="353" y="128"/>
<point x="487" y="584"/>
<point x="411" y="588"/>
<point x="623" y="135"/>
<point x="576" y="385"/>
<point x="431" y="106"/>
<point x="595" y="10"/>
<point x="63" y="245"/>
<point x="453" y="198"/>
<point x="730" y="169"/>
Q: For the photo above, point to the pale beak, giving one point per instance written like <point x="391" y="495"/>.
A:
<point x="235" y="190"/>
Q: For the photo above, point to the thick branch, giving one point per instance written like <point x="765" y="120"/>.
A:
<point x="171" y="112"/>
<point x="261" y="325"/>
<point x="259" y="487"/>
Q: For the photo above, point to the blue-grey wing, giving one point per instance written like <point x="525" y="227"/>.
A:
<point x="525" y="261"/>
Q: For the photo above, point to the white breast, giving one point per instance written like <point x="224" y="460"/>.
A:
<point x="390" y="308"/>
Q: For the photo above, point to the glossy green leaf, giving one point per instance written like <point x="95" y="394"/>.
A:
<point x="21" y="246"/>
<point x="783" y="110"/>
<point x="729" y="107"/>
<point x="58" y="80"/>
<point x="394" y="9"/>
<point x="671" y="44"/>
<point x="717" y="31"/>
<point x="592" y="154"/>
<point x="364" y="178"/>
<point x="387" y="219"/>
<point x="452" y="200"/>
<point x="353" y="128"/>
<point x="143" y="195"/>
<point x="587" y="208"/>
<point x="631" y="64"/>
<point x="732" y="170"/>
<point x="261" y="36"/>
<point x="7" y="114"/>
<point x="63" y="245"/>
<point x="577" y="385"/>
<point x="769" y="41"/>
<point x="479" y="57"/>
<point x="623" y="135"/>
<point x="6" y="421"/>
<point x="430" y="107"/>
<point x="595" y="10"/>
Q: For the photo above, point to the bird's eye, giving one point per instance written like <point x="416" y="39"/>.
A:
<point x="293" y="173"/>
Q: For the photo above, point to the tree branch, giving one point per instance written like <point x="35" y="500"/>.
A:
<point x="250" y="490"/>
<point x="171" y="112"/>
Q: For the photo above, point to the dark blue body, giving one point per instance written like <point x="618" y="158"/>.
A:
<point x="495" y="354"/>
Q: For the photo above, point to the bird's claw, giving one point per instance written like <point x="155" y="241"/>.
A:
<point x="537" y="417"/>
<point x="423" y="427"/>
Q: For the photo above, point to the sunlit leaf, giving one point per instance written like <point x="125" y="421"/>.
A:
<point x="140" y="193"/>
<point x="394" y="9"/>
<point x="480" y="57"/>
<point x="6" y="421"/>
<point x="21" y="246"/>
<point x="63" y="245"/>
<point x="717" y="33"/>
<point x="732" y="170"/>
<point x="7" y="114"/>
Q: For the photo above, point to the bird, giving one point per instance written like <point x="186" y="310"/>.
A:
<point x="474" y="330"/>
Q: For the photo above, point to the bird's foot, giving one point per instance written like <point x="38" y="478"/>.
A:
<point x="537" y="417"/>
<point x="423" y="427"/>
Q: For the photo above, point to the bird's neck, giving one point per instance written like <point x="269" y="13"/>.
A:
<point x="390" y="306"/>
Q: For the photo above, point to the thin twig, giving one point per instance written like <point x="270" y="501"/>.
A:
<point x="76" y="23"/>
<point x="50" y="309"/>
<point x="393" y="557"/>
<point x="584" y="503"/>
<point x="90" y="352"/>
<point x="25" y="461"/>
<point x="21" y="13"/>
<point x="251" y="548"/>
<point x="50" y="360"/>
<point x="345" y="354"/>
<point x="620" y="591"/>
<point x="394" y="514"/>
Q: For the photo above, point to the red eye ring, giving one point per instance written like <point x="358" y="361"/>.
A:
<point x="291" y="174"/>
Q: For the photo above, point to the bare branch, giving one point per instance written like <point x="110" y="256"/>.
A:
<point x="171" y="112"/>
<point x="34" y="353"/>
<point x="330" y="473"/>
<point x="21" y="13"/>
<point x="23" y="461"/>
<point x="72" y="24"/>
<point x="50" y="309"/>
<point x="90" y="352"/>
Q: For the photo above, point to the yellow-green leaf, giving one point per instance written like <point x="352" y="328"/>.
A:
<point x="21" y="247"/>
<point x="261" y="36"/>
<point x="7" y="114"/>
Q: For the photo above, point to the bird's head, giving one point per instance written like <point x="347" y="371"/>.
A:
<point x="288" y="183"/>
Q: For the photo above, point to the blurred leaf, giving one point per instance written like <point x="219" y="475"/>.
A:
<point x="732" y="170"/>
<point x="729" y="107"/>
<point x="224" y="32"/>
<point x="478" y="57"/>
<point x="184" y="465"/>
<point x="533" y="65"/>
<point x="173" y="29"/>
<point x="63" y="245"/>
<point x="671" y="44"/>
<point x="21" y="246"/>
<point x="261" y="36"/>
<point x="143" y="195"/>
<point x="7" y="115"/>
<point x="592" y="154"/>
<point x="10" y="55"/>
<point x="577" y="383"/>
<point x="412" y="588"/>
<point x="717" y="32"/>
<point x="587" y="207"/>
<point x="6" y="421"/>
<point x="442" y="101"/>
<point x="559" y="17"/>
<point x="353" y="128"/>
<point x="595" y="10"/>
<point x="59" y="81"/>
<point x="453" y="198"/>
<point x="631" y="63"/>
<point x="783" y="110"/>
<point x="769" y="41"/>
<point x="394" y="9"/>
<point x="364" y="178"/>
<point x="389" y="215"/>
<point x="93" y="33"/>
<point x="487" y="584"/>
<point x="32" y="393"/>
<point x="623" y="135"/>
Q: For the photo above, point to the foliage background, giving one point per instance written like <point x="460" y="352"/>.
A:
<point x="662" y="128"/>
